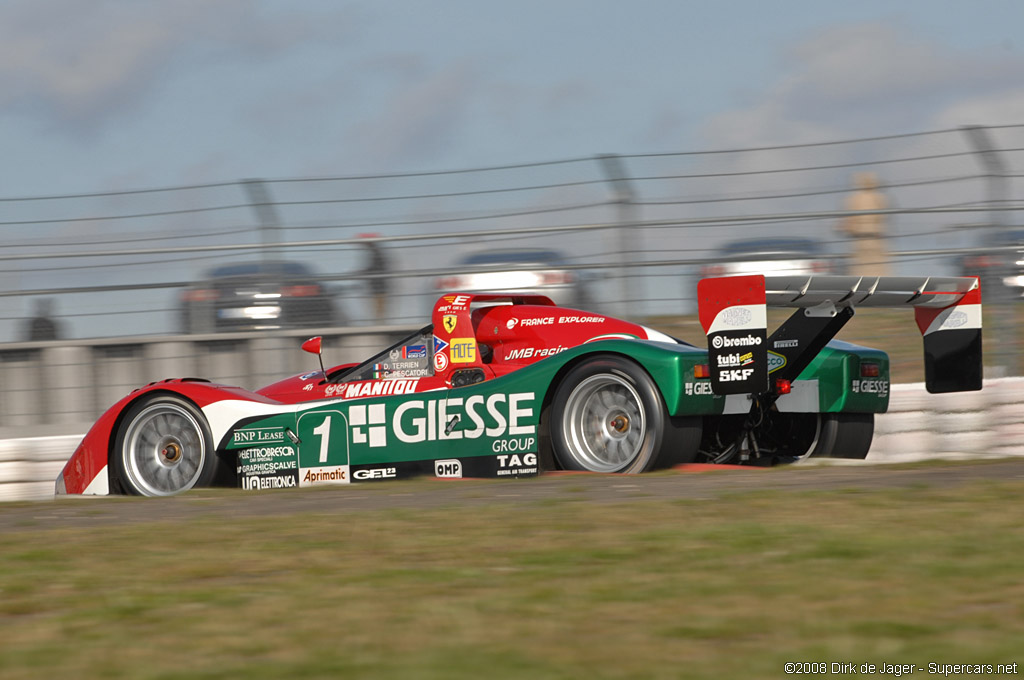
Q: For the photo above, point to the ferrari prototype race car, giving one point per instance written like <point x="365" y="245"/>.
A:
<point x="505" y="385"/>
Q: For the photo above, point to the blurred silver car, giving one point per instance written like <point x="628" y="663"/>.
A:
<point x="256" y="296"/>
<point x="771" y="256"/>
<point x="525" y="270"/>
<point x="1001" y="268"/>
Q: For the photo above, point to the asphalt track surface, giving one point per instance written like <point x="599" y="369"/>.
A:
<point x="695" y="483"/>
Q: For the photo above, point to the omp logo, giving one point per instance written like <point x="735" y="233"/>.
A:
<point x="463" y="350"/>
<point x="372" y="415"/>
<point x="448" y="469"/>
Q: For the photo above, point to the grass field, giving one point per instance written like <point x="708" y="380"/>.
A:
<point x="728" y="587"/>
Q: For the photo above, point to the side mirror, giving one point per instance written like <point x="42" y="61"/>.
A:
<point x="313" y="345"/>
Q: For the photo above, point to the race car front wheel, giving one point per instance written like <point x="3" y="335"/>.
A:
<point x="163" y="448"/>
<point x="608" y="416"/>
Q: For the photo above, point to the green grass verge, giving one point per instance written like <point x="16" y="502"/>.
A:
<point x="732" y="587"/>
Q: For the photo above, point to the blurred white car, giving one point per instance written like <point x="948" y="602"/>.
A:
<point x="770" y="256"/>
<point x="536" y="271"/>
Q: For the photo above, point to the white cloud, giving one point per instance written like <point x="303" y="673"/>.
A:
<point x="868" y="79"/>
<point x="103" y="55"/>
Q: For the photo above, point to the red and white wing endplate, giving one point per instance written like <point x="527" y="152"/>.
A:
<point x="947" y="310"/>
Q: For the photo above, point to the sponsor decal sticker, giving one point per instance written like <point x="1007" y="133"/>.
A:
<point x="463" y="351"/>
<point x="511" y="323"/>
<point x="271" y="467"/>
<point x="414" y="352"/>
<point x="721" y="341"/>
<point x="440" y="362"/>
<point x="735" y="316"/>
<point x="331" y="474"/>
<point x="775" y="361"/>
<point x="784" y="344"/>
<point x="371" y="388"/>
<point x="456" y="303"/>
<point x="375" y="473"/>
<point x="581" y="319"/>
<point x="258" y="435"/>
<point x="870" y="386"/>
<point x="449" y="321"/>
<point x="542" y="321"/>
<point x="448" y="469"/>
<point x="504" y="416"/>
<point x="511" y="465"/>
<point x="533" y="353"/>
<point x="698" y="388"/>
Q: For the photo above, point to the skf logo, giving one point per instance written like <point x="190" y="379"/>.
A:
<point x="448" y="469"/>
<point x="463" y="350"/>
<point x="449" y="321"/>
<point x="735" y="375"/>
<point x="377" y="422"/>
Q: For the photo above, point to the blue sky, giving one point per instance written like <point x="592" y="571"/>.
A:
<point x="114" y="94"/>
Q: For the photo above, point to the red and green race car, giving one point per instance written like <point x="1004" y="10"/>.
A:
<point x="505" y="385"/>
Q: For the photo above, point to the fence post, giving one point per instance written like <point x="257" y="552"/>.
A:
<point x="629" y="244"/>
<point x="991" y="161"/>
<point x="266" y="212"/>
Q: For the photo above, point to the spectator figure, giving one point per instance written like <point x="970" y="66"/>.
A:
<point x="376" y="270"/>
<point x="42" y="325"/>
<point x="870" y="256"/>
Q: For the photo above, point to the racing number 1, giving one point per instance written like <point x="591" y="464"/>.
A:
<point x="323" y="430"/>
<point x="323" y="436"/>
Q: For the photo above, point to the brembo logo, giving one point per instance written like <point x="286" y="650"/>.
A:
<point x="718" y="342"/>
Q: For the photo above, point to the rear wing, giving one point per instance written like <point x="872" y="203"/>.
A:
<point x="733" y="312"/>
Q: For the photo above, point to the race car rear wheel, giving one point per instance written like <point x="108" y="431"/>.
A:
<point x="828" y="435"/>
<point x="163" y="448"/>
<point x="845" y="435"/>
<point x="608" y="416"/>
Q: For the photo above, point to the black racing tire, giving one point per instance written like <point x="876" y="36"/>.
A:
<point x="844" y="435"/>
<point x="608" y="416"/>
<point x="163" y="447"/>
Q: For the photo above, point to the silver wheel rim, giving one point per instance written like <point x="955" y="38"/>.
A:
<point x="163" y="450"/>
<point x="604" y="424"/>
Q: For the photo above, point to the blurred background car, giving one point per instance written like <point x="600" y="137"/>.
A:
<point x="257" y="296"/>
<point x="1001" y="268"/>
<point x="526" y="270"/>
<point x="779" y="256"/>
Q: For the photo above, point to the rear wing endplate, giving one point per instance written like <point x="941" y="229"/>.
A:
<point x="733" y="312"/>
